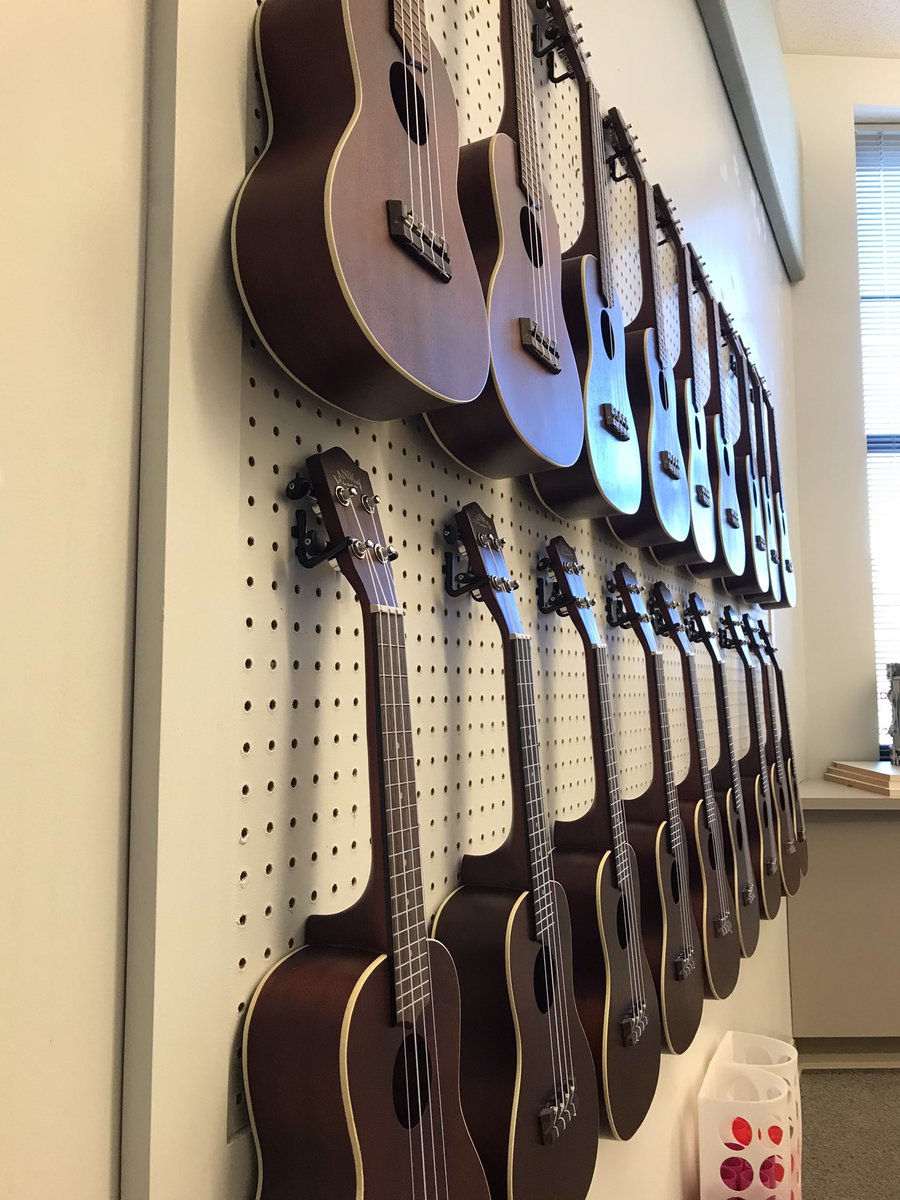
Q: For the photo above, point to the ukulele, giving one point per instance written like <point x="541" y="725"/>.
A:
<point x="788" y="858"/>
<point x="772" y="595"/>
<point x="700" y="544"/>
<point x="787" y="750"/>
<point x="351" y="1043"/>
<point x="786" y="565"/>
<point x="598" y="870"/>
<point x="660" y="843"/>
<point x="664" y="514"/>
<point x="755" y="772"/>
<point x="754" y="579"/>
<point x="530" y="415"/>
<point x="606" y="478"/>
<point x="731" y="797"/>
<point x="710" y="890"/>
<point x="348" y="244"/>
<point x="529" y="1087"/>
<point x="724" y="427"/>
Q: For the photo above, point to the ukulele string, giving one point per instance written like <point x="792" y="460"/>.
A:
<point x="552" y="1015"/>
<point x="676" y="832"/>
<point x="521" y="151"/>
<point x="555" y="957"/>
<point x="407" y="78"/>
<point x="545" y="285"/>
<point x="388" y="599"/>
<point x="420" y="34"/>
<point x="709" y="800"/>
<point x="620" y="837"/>
<point x="436" y="127"/>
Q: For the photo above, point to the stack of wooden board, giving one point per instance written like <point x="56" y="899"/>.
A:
<point x="880" y="777"/>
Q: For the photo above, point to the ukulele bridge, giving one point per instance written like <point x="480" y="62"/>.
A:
<point x="733" y="517"/>
<point x="771" y="866"/>
<point x="634" y="1024"/>
<point x="760" y="543"/>
<point x="615" y="422"/>
<point x="670" y="464"/>
<point x="704" y="496"/>
<point x="773" y="554"/>
<point x="539" y="344"/>
<point x="558" y="1113"/>
<point x="722" y="925"/>
<point x="748" y="894"/>
<point x="419" y="241"/>
<point x="790" y="846"/>
<point x="684" y="964"/>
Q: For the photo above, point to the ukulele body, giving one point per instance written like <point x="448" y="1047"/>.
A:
<point x="721" y="951"/>
<point x="700" y="543"/>
<point x="742" y="882"/>
<point x="605" y="964"/>
<point x="344" y="308"/>
<point x="527" y="418"/>
<point x="759" y="820"/>
<point x="754" y="579"/>
<point x="666" y="915"/>
<point x="506" y="1071"/>
<point x="788" y="579"/>
<point x="789" y="863"/>
<point x="324" y="1077"/>
<point x="606" y="478"/>
<point x="731" y="553"/>
<point x="664" y="513"/>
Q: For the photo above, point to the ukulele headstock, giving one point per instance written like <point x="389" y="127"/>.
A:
<point x="754" y="641"/>
<point x="348" y="505"/>
<point x="625" y="147"/>
<point x="666" y="219"/>
<point x="771" y="651"/>
<point x="700" y="626"/>
<point x="569" y="596"/>
<point x="666" y="621"/>
<point x="732" y="636"/>
<point x="626" y="607"/>
<point x="488" y="575"/>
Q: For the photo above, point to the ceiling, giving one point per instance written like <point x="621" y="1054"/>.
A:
<point x="867" y="29"/>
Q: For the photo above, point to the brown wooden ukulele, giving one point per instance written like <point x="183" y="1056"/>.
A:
<point x="755" y="772"/>
<point x="788" y="857"/>
<point x="349" y="248"/>
<point x="658" y="836"/>
<point x="787" y="750"/>
<point x="529" y="1087"/>
<point x="710" y="891"/>
<point x="754" y="579"/>
<point x="730" y="796"/>
<point x="723" y="421"/>
<point x="664" y="514"/>
<point x="597" y="867"/>
<point x="530" y="416"/>
<point x="786" y="565"/>
<point x="607" y="475"/>
<point x="772" y="594"/>
<point x="351" y="1043"/>
<point x="700" y="544"/>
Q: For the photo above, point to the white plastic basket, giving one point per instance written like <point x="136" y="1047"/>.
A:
<point x="771" y="1054"/>
<point x="744" y="1114"/>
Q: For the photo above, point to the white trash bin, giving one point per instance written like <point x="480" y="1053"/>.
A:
<point x="744" y="1114"/>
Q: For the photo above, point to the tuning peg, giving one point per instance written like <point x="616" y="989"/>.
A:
<point x="344" y="495"/>
<point x="370" y="502"/>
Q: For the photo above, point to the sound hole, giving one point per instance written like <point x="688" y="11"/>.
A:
<point x="621" y="923"/>
<point x="676" y="893"/>
<point x="698" y="428"/>
<point x="726" y="460"/>
<point x="739" y="834"/>
<point x="765" y="809"/>
<point x="409" y="103"/>
<point x="755" y="497"/>
<point x="781" y="799"/>
<point x="543" y="980"/>
<point x="606" y="332"/>
<point x="412" y="1080"/>
<point x="531" y="236"/>
<point x="711" y="851"/>
<point x="663" y="391"/>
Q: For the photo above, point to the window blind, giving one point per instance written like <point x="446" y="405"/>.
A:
<point x="878" y="226"/>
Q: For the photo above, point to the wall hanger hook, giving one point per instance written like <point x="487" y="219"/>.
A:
<point x="461" y="583"/>
<point x="556" y="603"/>
<point x="310" y="550"/>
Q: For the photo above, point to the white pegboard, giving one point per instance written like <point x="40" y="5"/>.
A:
<point x="299" y="808"/>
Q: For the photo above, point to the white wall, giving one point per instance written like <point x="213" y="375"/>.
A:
<point x="836" y="598"/>
<point x="72" y="95"/>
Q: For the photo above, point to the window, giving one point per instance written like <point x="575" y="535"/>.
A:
<point x="878" y="224"/>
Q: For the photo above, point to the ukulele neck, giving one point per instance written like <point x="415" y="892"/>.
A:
<point x="598" y="163"/>
<point x="723" y="709"/>
<point x="520" y="121"/>
<point x="698" y="740"/>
